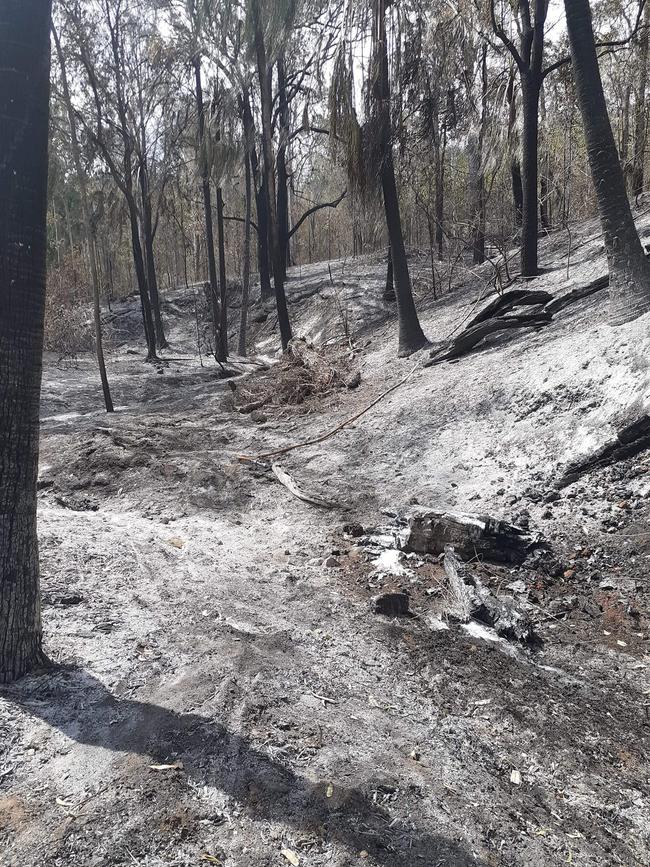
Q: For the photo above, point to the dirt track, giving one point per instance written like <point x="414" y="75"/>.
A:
<point x="196" y="626"/>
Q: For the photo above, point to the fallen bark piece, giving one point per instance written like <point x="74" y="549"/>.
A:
<point x="630" y="440"/>
<point x="469" y="338"/>
<point x="429" y="532"/>
<point x="286" y="480"/>
<point x="480" y="603"/>
<point x="576" y="294"/>
<point x="504" y="303"/>
<point x="391" y="604"/>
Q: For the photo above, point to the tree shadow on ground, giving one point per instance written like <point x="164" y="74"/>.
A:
<point x="81" y="707"/>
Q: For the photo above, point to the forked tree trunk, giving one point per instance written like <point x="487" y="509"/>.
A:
<point x="629" y="284"/>
<point x="266" y="101"/>
<point x="411" y="336"/>
<point x="24" y="101"/>
<point x="91" y="240"/>
<point x="150" y="259"/>
<point x="141" y="278"/>
<point x="207" y="204"/>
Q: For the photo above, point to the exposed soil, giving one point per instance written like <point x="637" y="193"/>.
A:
<point x="222" y="690"/>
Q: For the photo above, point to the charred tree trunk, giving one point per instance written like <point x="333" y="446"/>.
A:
<point x="147" y="238"/>
<point x="266" y="98"/>
<point x="517" y="191"/>
<point x="530" y="91"/>
<point x="260" y="202"/>
<point x="411" y="336"/>
<point x="207" y="204"/>
<point x="389" y="288"/>
<point x="282" y="172"/>
<point x="141" y="278"/>
<point x="89" y="231"/>
<point x="24" y="100"/>
<point x="629" y="285"/>
<point x="223" y="286"/>
<point x="640" y="122"/>
<point x="439" y="203"/>
<point x="477" y="174"/>
<point x="246" y="277"/>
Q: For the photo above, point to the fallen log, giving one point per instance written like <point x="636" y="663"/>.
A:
<point x="504" y="303"/>
<point x="430" y="532"/>
<point x="632" y="439"/>
<point x="469" y="338"/>
<point x="471" y="600"/>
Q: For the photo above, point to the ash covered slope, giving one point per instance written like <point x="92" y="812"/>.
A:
<point x="231" y="696"/>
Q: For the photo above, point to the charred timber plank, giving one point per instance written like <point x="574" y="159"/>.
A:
<point x="504" y="303"/>
<point x="429" y="532"/>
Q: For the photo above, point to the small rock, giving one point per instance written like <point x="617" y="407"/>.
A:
<point x="391" y="604"/>
<point x="353" y="529"/>
<point x="331" y="562"/>
<point x="258" y="416"/>
<point x="354" y="381"/>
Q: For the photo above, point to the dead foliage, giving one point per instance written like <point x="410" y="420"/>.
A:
<point x="304" y="372"/>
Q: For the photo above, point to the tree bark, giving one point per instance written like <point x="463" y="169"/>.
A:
<point x="282" y="172"/>
<point x="629" y="285"/>
<point x="260" y="201"/>
<point x="477" y="175"/>
<point x="530" y="90"/>
<point x="411" y="336"/>
<point x="89" y="232"/>
<point x="266" y="99"/>
<point x="246" y="277"/>
<point x="24" y="102"/>
<point x="150" y="260"/>
<point x="640" y="122"/>
<point x="207" y="205"/>
<point x="223" y="284"/>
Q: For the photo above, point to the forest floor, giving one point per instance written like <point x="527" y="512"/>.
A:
<point x="224" y="692"/>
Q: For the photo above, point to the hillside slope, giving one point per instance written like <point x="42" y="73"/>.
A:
<point x="227" y="693"/>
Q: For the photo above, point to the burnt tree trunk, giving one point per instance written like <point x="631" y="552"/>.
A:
<point x="260" y="202"/>
<point x="640" y="123"/>
<point x="282" y="172"/>
<point x="476" y="171"/>
<point x="629" y="285"/>
<point x="411" y="336"/>
<point x="150" y="261"/>
<point x="223" y="286"/>
<point x="266" y="100"/>
<point x="246" y="277"/>
<point x="89" y="230"/>
<point x="530" y="90"/>
<point x="207" y="204"/>
<point x="24" y="101"/>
